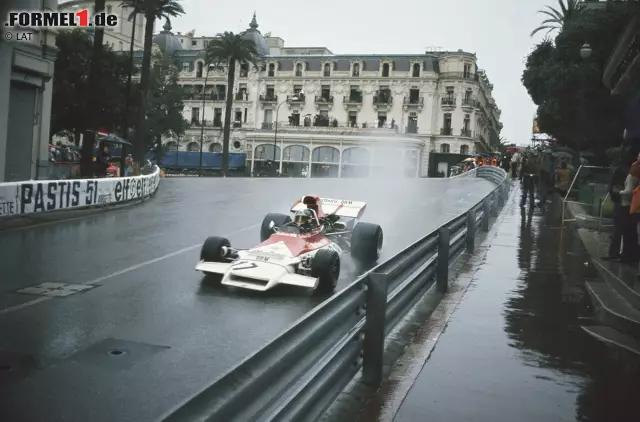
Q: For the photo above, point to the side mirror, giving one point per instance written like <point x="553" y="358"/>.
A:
<point x="340" y="226"/>
<point x="272" y="225"/>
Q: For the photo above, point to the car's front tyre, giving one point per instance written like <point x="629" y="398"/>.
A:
<point x="279" y="220"/>
<point x="366" y="242"/>
<point x="326" y="267"/>
<point x="214" y="249"/>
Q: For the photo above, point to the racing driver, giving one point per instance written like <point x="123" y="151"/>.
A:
<point x="305" y="221"/>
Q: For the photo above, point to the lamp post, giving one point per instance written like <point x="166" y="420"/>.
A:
<point x="275" y="135"/>
<point x="127" y="98"/>
<point x="585" y="53"/>
<point x="204" y="99"/>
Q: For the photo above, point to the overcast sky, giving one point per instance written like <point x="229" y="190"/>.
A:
<point x="496" y="30"/>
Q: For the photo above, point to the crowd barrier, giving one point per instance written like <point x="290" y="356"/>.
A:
<point x="299" y="374"/>
<point x="40" y="196"/>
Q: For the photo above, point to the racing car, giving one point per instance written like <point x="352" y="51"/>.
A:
<point x="302" y="252"/>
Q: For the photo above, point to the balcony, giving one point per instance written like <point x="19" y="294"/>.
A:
<point x="413" y="102"/>
<point x="448" y="101"/>
<point x="296" y="99"/>
<point x="219" y="96"/>
<point x="468" y="102"/>
<point x="411" y="130"/>
<point x="326" y="100"/>
<point x="382" y="102"/>
<point x="268" y="99"/>
<point x="466" y="132"/>
<point x="330" y="126"/>
<point x="267" y="125"/>
<point x="237" y="124"/>
<point x="352" y="100"/>
<point x="199" y="123"/>
<point x="241" y="96"/>
<point x="459" y="75"/>
<point x="446" y="131"/>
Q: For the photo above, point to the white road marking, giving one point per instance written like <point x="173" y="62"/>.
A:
<point x="11" y="309"/>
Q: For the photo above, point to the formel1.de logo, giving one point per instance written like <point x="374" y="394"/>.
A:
<point x="39" y="19"/>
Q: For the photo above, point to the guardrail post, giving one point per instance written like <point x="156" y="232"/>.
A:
<point x="494" y="205"/>
<point x="442" y="269"/>
<point x="373" y="353"/>
<point x="486" y="211"/>
<point x="500" y="198"/>
<point x="470" y="237"/>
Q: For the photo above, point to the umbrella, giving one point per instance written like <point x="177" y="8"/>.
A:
<point x="513" y="149"/>
<point x="466" y="160"/>
<point x="113" y="139"/>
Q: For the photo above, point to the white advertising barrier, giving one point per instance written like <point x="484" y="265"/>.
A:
<point x="38" y="196"/>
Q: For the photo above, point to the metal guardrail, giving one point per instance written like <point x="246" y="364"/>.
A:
<point x="299" y="374"/>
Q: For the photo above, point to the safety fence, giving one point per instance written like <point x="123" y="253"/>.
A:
<point x="40" y="196"/>
<point x="298" y="375"/>
<point x="588" y="195"/>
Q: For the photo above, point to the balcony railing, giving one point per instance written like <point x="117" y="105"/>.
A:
<point x="297" y="98"/>
<point x="466" y="132"/>
<point x="352" y="99"/>
<point x="333" y="126"/>
<point x="446" y="131"/>
<point x="205" y="123"/>
<point x="269" y="98"/>
<point x="324" y="99"/>
<point x="419" y="101"/>
<point x="412" y="129"/>
<point x="218" y="97"/>
<point x="237" y="124"/>
<point x="468" y="102"/>
<point x="459" y="75"/>
<point x="241" y="96"/>
<point x="267" y="125"/>
<point x="382" y="100"/>
<point x="448" y="100"/>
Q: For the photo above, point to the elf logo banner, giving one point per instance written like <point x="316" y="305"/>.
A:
<point x="80" y="18"/>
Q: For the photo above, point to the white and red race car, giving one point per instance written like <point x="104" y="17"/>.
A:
<point x="289" y="255"/>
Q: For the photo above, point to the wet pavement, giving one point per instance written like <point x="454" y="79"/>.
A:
<point x="513" y="349"/>
<point x="126" y="329"/>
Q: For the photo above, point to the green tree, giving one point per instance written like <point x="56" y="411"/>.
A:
<point x="71" y="102"/>
<point x="164" y="113"/>
<point x="558" y="18"/>
<point x="573" y="105"/>
<point x="153" y="10"/>
<point x="229" y="49"/>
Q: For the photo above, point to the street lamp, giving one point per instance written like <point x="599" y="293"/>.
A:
<point x="585" y="53"/>
<point x="204" y="99"/>
<point x="296" y="97"/>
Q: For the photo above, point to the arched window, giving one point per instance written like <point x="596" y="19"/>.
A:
<point x="444" y="148"/>
<point x="325" y="155"/>
<point x="356" y="155"/>
<point x="171" y="146"/>
<point x="385" y="70"/>
<point x="416" y="70"/>
<point x="464" y="149"/>
<point x="215" y="147"/>
<point x="296" y="153"/>
<point x="356" y="70"/>
<point x="272" y="70"/>
<point x="265" y="152"/>
<point x="193" y="146"/>
<point x="327" y="69"/>
<point x="299" y="69"/>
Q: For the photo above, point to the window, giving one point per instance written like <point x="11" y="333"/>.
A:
<point x="327" y="69"/>
<point x="194" y="43"/>
<point x="271" y="92"/>
<point x="326" y="92"/>
<point x="217" y="117"/>
<point x="444" y="148"/>
<point x="199" y="70"/>
<point x="109" y="9"/>
<point x="272" y="70"/>
<point x="244" y="70"/>
<point x="385" y="70"/>
<point x="464" y="149"/>
<point x="121" y="45"/>
<point x="246" y="111"/>
<point x="467" y="71"/>
<point x="382" y="118"/>
<point x="447" y="120"/>
<point x="414" y="96"/>
<point x="299" y="69"/>
<point x="467" y="94"/>
<point x="356" y="70"/>
<point x="297" y="89"/>
<point x="450" y="91"/>
<point x="195" y="114"/>
<point x="416" y="70"/>
<point x="353" y="119"/>
<point x="467" y="122"/>
<point x="186" y="66"/>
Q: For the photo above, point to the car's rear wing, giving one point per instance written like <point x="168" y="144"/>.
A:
<point x="339" y="207"/>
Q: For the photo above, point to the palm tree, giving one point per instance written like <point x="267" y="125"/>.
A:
<point x="557" y="18"/>
<point x="152" y="10"/>
<point x="228" y="49"/>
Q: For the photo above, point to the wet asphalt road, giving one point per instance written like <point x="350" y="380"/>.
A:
<point x="177" y="331"/>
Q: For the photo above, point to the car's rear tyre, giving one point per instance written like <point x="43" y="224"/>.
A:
<point x="278" y="220"/>
<point x="212" y="249"/>
<point x="366" y="242"/>
<point x="326" y="266"/>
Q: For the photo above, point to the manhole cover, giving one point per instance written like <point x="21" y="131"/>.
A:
<point x="116" y="352"/>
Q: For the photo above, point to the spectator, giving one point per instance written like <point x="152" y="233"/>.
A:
<point x="620" y="213"/>
<point x="562" y="179"/>
<point x="516" y="159"/>
<point x="629" y="225"/>
<point x="529" y="177"/>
